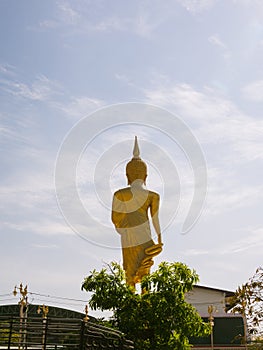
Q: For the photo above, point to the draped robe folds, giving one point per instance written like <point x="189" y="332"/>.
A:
<point x="130" y="208"/>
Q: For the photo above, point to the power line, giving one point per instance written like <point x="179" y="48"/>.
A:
<point x="57" y="297"/>
<point x="55" y="302"/>
<point x="46" y="296"/>
<point x="5" y="295"/>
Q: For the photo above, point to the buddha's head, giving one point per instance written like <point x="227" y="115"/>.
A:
<point x="136" y="169"/>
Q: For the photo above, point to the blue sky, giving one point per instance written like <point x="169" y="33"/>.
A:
<point x="60" y="61"/>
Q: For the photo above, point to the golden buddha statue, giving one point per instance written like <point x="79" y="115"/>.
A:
<point x="130" y="207"/>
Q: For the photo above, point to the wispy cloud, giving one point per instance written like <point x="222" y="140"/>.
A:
<point x="253" y="240"/>
<point x="41" y="89"/>
<point x="255" y="7"/>
<point x="196" y="252"/>
<point x="197" y="6"/>
<point x="68" y="13"/>
<point x="82" y="19"/>
<point x="51" y="92"/>
<point x="28" y="197"/>
<point x="48" y="24"/>
<point x="215" y="40"/>
<point x="44" y="246"/>
<point x="81" y="106"/>
<point x="7" y="69"/>
<point x="40" y="227"/>
<point x="253" y="91"/>
<point x="215" y="119"/>
<point x="87" y="20"/>
<point x="7" y="133"/>
<point x="223" y="129"/>
<point x="249" y="244"/>
<point x="28" y="203"/>
<point x="147" y="22"/>
<point x="227" y="196"/>
<point x="109" y="24"/>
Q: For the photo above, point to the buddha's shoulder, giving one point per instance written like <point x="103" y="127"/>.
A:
<point x="154" y="195"/>
<point x="122" y="191"/>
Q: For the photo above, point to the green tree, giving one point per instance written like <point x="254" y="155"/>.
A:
<point x="159" y="318"/>
<point x="248" y="301"/>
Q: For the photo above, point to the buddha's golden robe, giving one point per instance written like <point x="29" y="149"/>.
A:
<point x="130" y="209"/>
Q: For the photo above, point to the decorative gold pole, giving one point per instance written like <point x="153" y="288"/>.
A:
<point x="23" y="302"/>
<point x="44" y="309"/>
<point x="86" y="318"/>
<point x="211" y="320"/>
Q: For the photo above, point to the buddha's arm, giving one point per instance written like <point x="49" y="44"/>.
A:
<point x="116" y="215"/>
<point x="115" y="218"/>
<point x="154" y="208"/>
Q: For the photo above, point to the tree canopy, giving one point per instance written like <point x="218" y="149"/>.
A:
<point x="159" y="317"/>
<point x="248" y="301"/>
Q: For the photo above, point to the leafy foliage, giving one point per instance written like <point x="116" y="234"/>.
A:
<point x="248" y="301"/>
<point x="159" y="318"/>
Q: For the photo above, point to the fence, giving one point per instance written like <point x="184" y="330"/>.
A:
<point x="36" y="333"/>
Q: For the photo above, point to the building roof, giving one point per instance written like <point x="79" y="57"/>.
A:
<point x="228" y="293"/>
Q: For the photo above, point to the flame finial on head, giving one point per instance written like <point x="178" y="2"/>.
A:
<point x="136" y="150"/>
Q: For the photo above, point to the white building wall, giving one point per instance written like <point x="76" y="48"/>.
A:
<point x="201" y="298"/>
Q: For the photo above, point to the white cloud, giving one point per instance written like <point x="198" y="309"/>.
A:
<point x="255" y="7"/>
<point x="196" y="252"/>
<point x="109" y="24"/>
<point x="144" y="24"/>
<point x="223" y="129"/>
<point x="41" y="89"/>
<point x="227" y="196"/>
<point x="250" y="243"/>
<point x="68" y="14"/>
<point x="188" y="102"/>
<point x="28" y="203"/>
<point x="41" y="227"/>
<point x="7" y="69"/>
<point x="125" y="80"/>
<point x="44" y="246"/>
<point x="83" y="19"/>
<point x="81" y="106"/>
<point x="8" y="134"/>
<point x="215" y="40"/>
<point x="215" y="119"/>
<point x="253" y="91"/>
<point x="50" y="24"/>
<point x="197" y="6"/>
<point x="204" y="105"/>
<point x="28" y="189"/>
